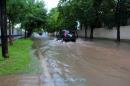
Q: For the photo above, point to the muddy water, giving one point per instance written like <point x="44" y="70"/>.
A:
<point x="84" y="63"/>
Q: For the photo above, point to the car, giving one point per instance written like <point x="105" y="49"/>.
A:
<point x="40" y="33"/>
<point x="67" y="35"/>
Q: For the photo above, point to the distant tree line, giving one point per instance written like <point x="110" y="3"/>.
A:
<point x="91" y="14"/>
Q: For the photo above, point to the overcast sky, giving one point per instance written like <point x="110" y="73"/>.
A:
<point x="50" y="4"/>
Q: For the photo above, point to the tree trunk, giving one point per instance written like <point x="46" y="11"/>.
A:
<point x="91" y="34"/>
<point x="118" y="20"/>
<point x="118" y="33"/>
<point x="81" y="26"/>
<point x="10" y="35"/>
<point x="21" y="32"/>
<point x="86" y="32"/>
<point x="30" y="31"/>
<point x="25" y="34"/>
<point x="3" y="24"/>
<point x="12" y="28"/>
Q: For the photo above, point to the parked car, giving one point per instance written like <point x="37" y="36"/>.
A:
<point x="67" y="35"/>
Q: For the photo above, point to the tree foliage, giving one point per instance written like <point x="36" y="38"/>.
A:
<point x="30" y="13"/>
<point x="52" y="20"/>
<point x="96" y="13"/>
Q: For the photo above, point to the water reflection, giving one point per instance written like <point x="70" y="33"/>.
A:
<point x="57" y="70"/>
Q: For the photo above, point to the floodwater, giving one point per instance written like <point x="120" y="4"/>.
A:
<point x="84" y="63"/>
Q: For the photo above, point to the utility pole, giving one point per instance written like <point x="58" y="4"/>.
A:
<point x="3" y="26"/>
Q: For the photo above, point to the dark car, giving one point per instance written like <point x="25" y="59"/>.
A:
<point x="40" y="33"/>
<point x="67" y="35"/>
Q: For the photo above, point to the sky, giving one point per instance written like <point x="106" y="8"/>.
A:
<point x="50" y="4"/>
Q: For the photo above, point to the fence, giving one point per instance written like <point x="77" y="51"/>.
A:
<point x="107" y="33"/>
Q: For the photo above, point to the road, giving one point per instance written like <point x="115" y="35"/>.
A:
<point x="84" y="63"/>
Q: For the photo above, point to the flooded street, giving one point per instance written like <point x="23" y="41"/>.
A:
<point x="83" y="63"/>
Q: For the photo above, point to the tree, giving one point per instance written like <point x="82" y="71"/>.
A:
<point x="115" y="13"/>
<point x="108" y="15"/>
<point x="3" y="24"/>
<point x="30" y="13"/>
<point x="52" y="20"/>
<point x="14" y="15"/>
<point x="34" y="17"/>
<point x="66" y="16"/>
<point x="121" y="9"/>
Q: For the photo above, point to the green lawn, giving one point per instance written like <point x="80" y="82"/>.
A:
<point x="20" y="57"/>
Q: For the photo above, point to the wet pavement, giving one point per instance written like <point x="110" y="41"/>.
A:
<point x="84" y="63"/>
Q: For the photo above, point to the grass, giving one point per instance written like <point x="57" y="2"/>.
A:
<point x="20" y="58"/>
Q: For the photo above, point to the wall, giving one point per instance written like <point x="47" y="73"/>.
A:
<point x="106" y="33"/>
<point x="17" y="33"/>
